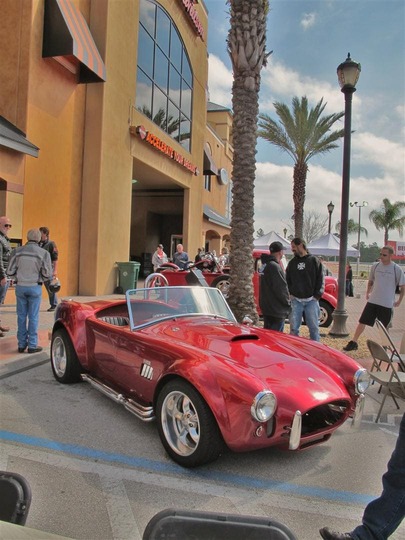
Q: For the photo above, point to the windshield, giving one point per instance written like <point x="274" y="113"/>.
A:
<point x="147" y="306"/>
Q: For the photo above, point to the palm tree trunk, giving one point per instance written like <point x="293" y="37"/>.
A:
<point x="300" y="178"/>
<point x="246" y="47"/>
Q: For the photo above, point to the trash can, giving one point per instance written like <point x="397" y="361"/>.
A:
<point x="128" y="273"/>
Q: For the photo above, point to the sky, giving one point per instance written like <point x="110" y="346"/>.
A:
<point x="309" y="39"/>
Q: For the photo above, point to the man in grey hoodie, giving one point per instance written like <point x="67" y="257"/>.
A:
<point x="30" y="265"/>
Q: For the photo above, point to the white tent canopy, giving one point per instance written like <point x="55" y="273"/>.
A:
<point x="264" y="241"/>
<point x="328" y="246"/>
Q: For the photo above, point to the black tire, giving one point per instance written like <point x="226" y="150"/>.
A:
<point x="65" y="364"/>
<point x="222" y="283"/>
<point x="326" y="310"/>
<point x="186" y="425"/>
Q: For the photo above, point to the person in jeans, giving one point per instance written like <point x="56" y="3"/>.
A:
<point x="30" y="265"/>
<point x="383" y="515"/>
<point x="306" y="283"/>
<point x="274" y="298"/>
<point x="5" y="250"/>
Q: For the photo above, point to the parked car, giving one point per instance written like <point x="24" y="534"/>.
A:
<point x="177" y="355"/>
<point x="220" y="279"/>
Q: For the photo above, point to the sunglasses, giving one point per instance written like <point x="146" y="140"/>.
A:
<point x="8" y="226"/>
<point x="383" y="254"/>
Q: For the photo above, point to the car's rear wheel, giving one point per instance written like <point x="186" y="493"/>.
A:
<point x="65" y="364"/>
<point x="186" y="425"/>
<point x="222" y="283"/>
<point x="325" y="314"/>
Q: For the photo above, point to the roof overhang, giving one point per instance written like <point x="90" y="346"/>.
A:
<point x="67" y="39"/>
<point x="14" y="138"/>
<point x="213" y="216"/>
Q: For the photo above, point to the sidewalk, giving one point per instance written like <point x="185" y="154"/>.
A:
<point x="12" y="362"/>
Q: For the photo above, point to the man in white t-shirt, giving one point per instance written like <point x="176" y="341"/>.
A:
<point x="385" y="277"/>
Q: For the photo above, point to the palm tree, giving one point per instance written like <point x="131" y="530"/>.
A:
<point x="302" y="134"/>
<point x="389" y="218"/>
<point x="246" y="45"/>
<point x="352" y="227"/>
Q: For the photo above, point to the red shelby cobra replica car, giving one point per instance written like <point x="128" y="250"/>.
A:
<point x="177" y="354"/>
<point x="219" y="278"/>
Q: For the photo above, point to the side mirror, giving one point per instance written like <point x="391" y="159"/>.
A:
<point x="247" y="321"/>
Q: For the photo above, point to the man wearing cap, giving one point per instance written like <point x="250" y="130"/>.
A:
<point x="274" y="298"/>
<point x="30" y="265"/>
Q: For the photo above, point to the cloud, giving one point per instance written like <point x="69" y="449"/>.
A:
<point x="308" y="20"/>
<point x="379" y="160"/>
<point x="220" y="80"/>
<point x="387" y="155"/>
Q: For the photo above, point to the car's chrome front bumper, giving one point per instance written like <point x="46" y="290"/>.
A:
<point x="296" y="427"/>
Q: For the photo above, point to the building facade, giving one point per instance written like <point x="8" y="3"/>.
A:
<point x="107" y="135"/>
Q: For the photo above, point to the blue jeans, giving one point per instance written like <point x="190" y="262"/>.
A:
<point x="3" y="291"/>
<point x="311" y="310"/>
<point x="383" y="515"/>
<point x="28" y="304"/>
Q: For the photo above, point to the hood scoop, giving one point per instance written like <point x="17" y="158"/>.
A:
<point x="245" y="337"/>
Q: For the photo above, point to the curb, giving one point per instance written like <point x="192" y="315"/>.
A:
<point x="27" y="361"/>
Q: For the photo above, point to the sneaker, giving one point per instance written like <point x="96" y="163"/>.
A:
<point x="52" y="308"/>
<point x="21" y="349"/>
<point x="351" y="346"/>
<point x="4" y="328"/>
<point x="34" y="350"/>
<point x="327" y="534"/>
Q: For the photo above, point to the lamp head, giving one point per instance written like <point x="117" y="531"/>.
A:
<point x="330" y="207"/>
<point x="348" y="73"/>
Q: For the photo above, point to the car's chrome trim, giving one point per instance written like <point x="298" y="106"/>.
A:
<point x="143" y="413"/>
<point x="295" y="433"/>
<point x="358" y="411"/>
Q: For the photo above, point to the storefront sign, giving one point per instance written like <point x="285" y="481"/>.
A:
<point x="167" y="150"/>
<point x="192" y="13"/>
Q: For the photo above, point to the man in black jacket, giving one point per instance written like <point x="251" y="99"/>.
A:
<point x="305" y="279"/>
<point x="274" y="298"/>
<point x="50" y="247"/>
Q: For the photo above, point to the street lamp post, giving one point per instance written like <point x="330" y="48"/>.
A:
<point x="348" y="74"/>
<point x="330" y="207"/>
<point x="359" y="206"/>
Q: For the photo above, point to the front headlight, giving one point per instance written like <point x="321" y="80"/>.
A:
<point x="361" y="380"/>
<point x="264" y="406"/>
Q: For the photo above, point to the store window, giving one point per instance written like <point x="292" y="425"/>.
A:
<point x="164" y="86"/>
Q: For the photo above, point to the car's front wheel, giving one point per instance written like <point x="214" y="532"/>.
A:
<point x="186" y="425"/>
<point x="325" y="314"/>
<point x="65" y="364"/>
<point x="222" y="283"/>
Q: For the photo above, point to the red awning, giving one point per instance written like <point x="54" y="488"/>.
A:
<point x="68" y="39"/>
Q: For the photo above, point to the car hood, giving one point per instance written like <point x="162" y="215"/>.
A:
<point x="282" y="362"/>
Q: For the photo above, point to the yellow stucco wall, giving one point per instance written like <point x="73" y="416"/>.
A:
<point x="80" y="186"/>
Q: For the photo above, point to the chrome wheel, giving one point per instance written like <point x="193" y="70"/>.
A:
<point x="58" y="356"/>
<point x="65" y="364"/>
<point x="180" y="423"/>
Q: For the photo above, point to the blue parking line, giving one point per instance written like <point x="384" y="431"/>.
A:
<point x="247" y="482"/>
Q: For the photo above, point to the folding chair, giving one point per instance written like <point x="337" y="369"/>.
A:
<point x="392" y="381"/>
<point x="402" y="346"/>
<point x="389" y="345"/>
<point x="198" y="525"/>
<point x="15" y="498"/>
